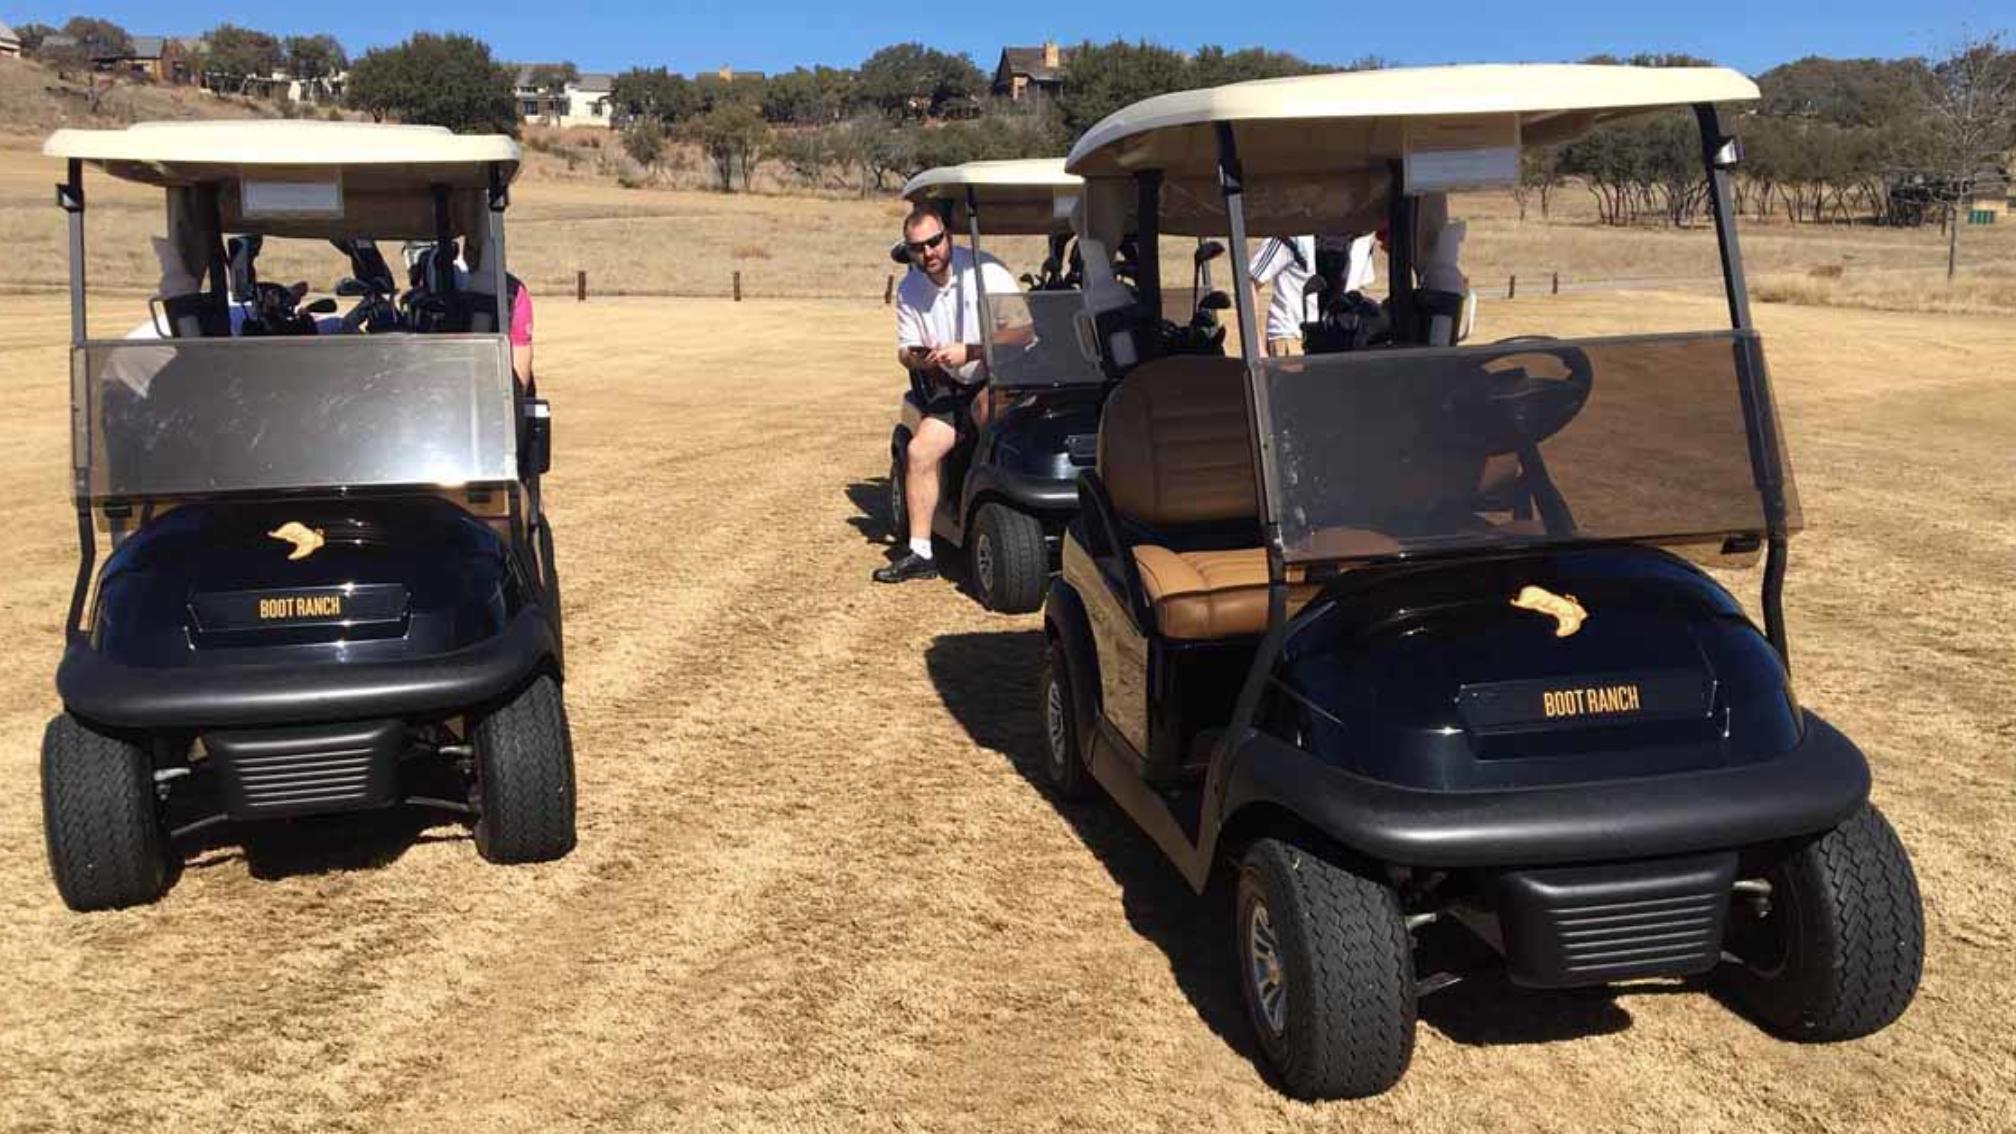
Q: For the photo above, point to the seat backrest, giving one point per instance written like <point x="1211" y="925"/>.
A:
<point x="1174" y="445"/>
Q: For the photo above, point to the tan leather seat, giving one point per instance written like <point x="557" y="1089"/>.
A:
<point x="1175" y="451"/>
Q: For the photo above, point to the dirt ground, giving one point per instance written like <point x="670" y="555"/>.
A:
<point x="817" y="887"/>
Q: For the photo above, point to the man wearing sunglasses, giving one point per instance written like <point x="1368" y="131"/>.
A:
<point x="938" y="337"/>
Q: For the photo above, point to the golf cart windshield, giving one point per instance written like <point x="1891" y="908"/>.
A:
<point x="182" y="417"/>
<point x="1036" y="340"/>
<point x="1532" y="442"/>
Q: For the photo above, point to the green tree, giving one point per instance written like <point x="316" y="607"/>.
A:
<point x="912" y="80"/>
<point x="1102" y="78"/>
<point x="732" y="135"/>
<point x="237" y="54"/>
<point x="653" y="93"/>
<point x="876" y="148"/>
<point x="441" y="80"/>
<point x="314" y="57"/>
<point x="31" y="37"/>
<point x="808" y="95"/>
<point x="644" y="141"/>
<point x="1213" y="66"/>
<point x="1970" y="126"/>
<point x="100" y="39"/>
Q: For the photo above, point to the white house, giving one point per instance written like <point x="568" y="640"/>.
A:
<point x="582" y="102"/>
<point x="10" y="44"/>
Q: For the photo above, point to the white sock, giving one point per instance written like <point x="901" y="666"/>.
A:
<point x="921" y="548"/>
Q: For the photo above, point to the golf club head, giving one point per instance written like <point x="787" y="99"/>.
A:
<point x="900" y="253"/>
<point x="1208" y="250"/>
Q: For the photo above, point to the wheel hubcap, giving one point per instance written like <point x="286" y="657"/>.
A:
<point x="1053" y="716"/>
<point x="1263" y="957"/>
<point x="983" y="564"/>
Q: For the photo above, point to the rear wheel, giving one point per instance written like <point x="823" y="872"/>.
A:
<point x="899" y="510"/>
<point x="1835" y="949"/>
<point x="1011" y="564"/>
<point x="101" y="818"/>
<point x="525" y="778"/>
<point x="1327" y="972"/>
<point x="1063" y="761"/>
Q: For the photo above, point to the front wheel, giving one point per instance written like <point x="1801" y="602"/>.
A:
<point x="101" y="819"/>
<point x="1834" y="948"/>
<point x="1011" y="562"/>
<point x="525" y="778"/>
<point x="1327" y="972"/>
<point x="1063" y="761"/>
<point x="899" y="509"/>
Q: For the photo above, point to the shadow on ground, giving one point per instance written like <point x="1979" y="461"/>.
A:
<point x="988" y="682"/>
<point x="319" y="844"/>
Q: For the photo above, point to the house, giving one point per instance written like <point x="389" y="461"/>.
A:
<point x="10" y="44"/>
<point x="155" y="57"/>
<point x="1031" y="71"/>
<point x="582" y="101"/>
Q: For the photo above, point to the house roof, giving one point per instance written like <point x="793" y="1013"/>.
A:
<point x="1312" y="123"/>
<point x="596" y="82"/>
<point x="7" y="33"/>
<point x="147" y="47"/>
<point x="1029" y="61"/>
<point x="58" y="39"/>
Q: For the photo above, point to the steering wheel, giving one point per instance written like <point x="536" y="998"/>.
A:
<point x="1508" y="407"/>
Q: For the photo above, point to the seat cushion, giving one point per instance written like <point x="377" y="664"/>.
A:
<point x="1211" y="594"/>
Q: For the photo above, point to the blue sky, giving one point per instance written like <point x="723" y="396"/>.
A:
<point x="772" y="35"/>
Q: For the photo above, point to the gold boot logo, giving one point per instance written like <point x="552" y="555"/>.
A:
<point x="306" y="540"/>
<point x="1568" y="614"/>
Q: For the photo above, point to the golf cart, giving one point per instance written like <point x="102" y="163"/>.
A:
<point x="1007" y="487"/>
<point x="1400" y="642"/>
<point x="327" y="580"/>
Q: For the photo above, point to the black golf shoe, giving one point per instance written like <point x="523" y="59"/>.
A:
<point x="911" y="566"/>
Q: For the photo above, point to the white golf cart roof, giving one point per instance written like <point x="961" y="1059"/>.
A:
<point x="1356" y="118"/>
<point x="1317" y="150"/>
<point x="383" y="156"/>
<point x="1016" y="197"/>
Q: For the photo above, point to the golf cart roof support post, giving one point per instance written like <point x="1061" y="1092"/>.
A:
<point x="1148" y="239"/>
<point x="444" y="266"/>
<point x="1755" y="381"/>
<point x="1400" y="246"/>
<point x="87" y="558"/>
<point x="1231" y="182"/>
<point x="980" y="279"/>
<point x="499" y="199"/>
<point x="70" y="195"/>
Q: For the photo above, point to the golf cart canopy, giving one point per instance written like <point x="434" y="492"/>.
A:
<point x="1319" y="149"/>
<point x="335" y="180"/>
<point x="1015" y="198"/>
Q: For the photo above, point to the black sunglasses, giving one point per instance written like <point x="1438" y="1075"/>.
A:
<point x="916" y="246"/>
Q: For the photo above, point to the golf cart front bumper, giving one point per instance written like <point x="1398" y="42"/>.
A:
<point x="115" y="695"/>
<point x="1809" y="789"/>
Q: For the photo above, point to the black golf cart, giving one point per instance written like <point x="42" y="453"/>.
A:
<point x="1400" y="642"/>
<point x="327" y="582"/>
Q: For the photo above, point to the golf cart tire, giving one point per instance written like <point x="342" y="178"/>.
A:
<point x="1020" y="559"/>
<point x="100" y="815"/>
<point x="1348" y="1018"/>
<point x="1850" y="901"/>
<point x="525" y="778"/>
<point x="1064" y="769"/>
<point x="899" y="511"/>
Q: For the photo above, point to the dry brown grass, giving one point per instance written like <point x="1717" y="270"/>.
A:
<point x="817" y="889"/>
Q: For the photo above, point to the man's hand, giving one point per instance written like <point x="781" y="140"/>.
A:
<point x="948" y="357"/>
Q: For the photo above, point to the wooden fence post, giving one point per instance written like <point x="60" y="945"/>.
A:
<point x="1512" y="287"/>
<point x="738" y="285"/>
<point x="889" y="289"/>
<point x="581" y="286"/>
<point x="1557" y="283"/>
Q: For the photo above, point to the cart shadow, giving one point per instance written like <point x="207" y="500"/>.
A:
<point x="319" y="844"/>
<point x="988" y="681"/>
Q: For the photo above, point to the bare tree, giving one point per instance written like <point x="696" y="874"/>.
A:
<point x="1970" y="125"/>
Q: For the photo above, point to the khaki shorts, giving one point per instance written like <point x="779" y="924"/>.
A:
<point x="1284" y="348"/>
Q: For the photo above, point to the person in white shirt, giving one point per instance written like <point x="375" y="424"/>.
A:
<point x="938" y="335"/>
<point x="1284" y="264"/>
<point x="1287" y="263"/>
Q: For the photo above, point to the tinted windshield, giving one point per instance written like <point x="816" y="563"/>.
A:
<point x="198" y="416"/>
<point x="1036" y="339"/>
<point x="1394" y="452"/>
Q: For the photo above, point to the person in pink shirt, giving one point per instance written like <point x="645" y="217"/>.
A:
<point x="521" y="328"/>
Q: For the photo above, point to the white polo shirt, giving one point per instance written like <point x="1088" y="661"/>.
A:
<point x="931" y="316"/>
<point x="1287" y="263"/>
